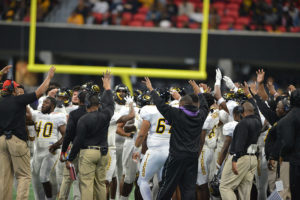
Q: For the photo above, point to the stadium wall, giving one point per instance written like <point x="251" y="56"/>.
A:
<point x="152" y="44"/>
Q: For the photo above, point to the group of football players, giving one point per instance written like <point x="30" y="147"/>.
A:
<point x="138" y="138"/>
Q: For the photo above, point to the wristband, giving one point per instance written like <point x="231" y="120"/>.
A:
<point x="218" y="82"/>
<point x="1" y="73"/>
<point x="249" y="95"/>
<point x="221" y="100"/>
<point x="201" y="90"/>
<point x="137" y="149"/>
<point x="235" y="89"/>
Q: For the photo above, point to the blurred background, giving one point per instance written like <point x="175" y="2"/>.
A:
<point x="244" y="35"/>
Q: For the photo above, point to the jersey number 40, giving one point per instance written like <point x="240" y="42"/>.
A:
<point x="47" y="129"/>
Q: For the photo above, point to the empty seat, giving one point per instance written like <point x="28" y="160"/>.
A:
<point x="243" y="20"/>
<point x="223" y="27"/>
<point x="139" y="17"/>
<point x="227" y="20"/>
<point x="149" y="24"/>
<point x="136" y="23"/>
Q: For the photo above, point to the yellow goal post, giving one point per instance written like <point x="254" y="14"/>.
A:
<point x="123" y="72"/>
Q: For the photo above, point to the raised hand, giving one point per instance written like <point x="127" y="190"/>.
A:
<point x="195" y="87"/>
<point x="218" y="77"/>
<point x="175" y="94"/>
<point x="129" y="100"/>
<point x="205" y="87"/>
<point x="148" y="84"/>
<point x="106" y="80"/>
<point x="229" y="83"/>
<point x="253" y="88"/>
<point x="260" y="76"/>
<point x="291" y="88"/>
<point x="246" y="89"/>
<point x="6" y="69"/>
<point x="51" y="72"/>
<point x="271" y="88"/>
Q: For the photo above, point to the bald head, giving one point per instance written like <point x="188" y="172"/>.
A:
<point x="248" y="108"/>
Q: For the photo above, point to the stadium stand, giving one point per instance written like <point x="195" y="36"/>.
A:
<point x="19" y="10"/>
<point x="262" y="15"/>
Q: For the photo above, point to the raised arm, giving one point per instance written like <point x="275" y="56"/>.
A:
<point x="4" y="71"/>
<point x="260" y="81"/>
<point x="107" y="97"/>
<point x="166" y="110"/>
<point x="131" y="115"/>
<point x="218" y="95"/>
<point x="44" y="86"/>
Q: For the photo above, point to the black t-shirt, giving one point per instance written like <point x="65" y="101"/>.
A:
<point x="13" y="114"/>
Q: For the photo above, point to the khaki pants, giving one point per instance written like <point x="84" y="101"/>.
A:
<point x="284" y="176"/>
<point x="246" y="167"/>
<point x="14" y="159"/>
<point x="67" y="182"/>
<point x="92" y="170"/>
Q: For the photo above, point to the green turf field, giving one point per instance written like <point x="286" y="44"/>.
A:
<point x="31" y="194"/>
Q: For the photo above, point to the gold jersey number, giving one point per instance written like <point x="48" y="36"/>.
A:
<point x="161" y="126"/>
<point x="47" y="130"/>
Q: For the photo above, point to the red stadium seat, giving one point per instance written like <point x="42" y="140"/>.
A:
<point x="227" y="20"/>
<point x="198" y="5"/>
<point x="98" y="18"/>
<point x="282" y="29"/>
<point x="182" y="19"/>
<point x="295" y="29"/>
<point x="253" y="27"/>
<point x="236" y="1"/>
<point x="220" y="13"/>
<point x="139" y="17"/>
<point x="268" y="28"/>
<point x="233" y="6"/>
<point x="243" y="21"/>
<point x="238" y="27"/>
<point x="127" y="16"/>
<point x="143" y="10"/>
<point x="219" y="5"/>
<point x="149" y="24"/>
<point x="179" y="25"/>
<point x="223" y="27"/>
<point x="232" y="13"/>
<point x="194" y="26"/>
<point x="136" y="23"/>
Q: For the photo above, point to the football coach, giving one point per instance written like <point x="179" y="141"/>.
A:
<point x="186" y="127"/>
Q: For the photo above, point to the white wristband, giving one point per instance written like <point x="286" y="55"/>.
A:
<point x="137" y="149"/>
<point x="218" y="82"/>
<point x="221" y="100"/>
<point x="201" y="90"/>
<point x="235" y="89"/>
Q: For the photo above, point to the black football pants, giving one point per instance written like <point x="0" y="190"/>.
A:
<point x="295" y="181"/>
<point x="180" y="171"/>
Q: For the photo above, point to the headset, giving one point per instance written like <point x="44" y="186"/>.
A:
<point x="286" y="104"/>
<point x="87" y="100"/>
<point x="11" y="87"/>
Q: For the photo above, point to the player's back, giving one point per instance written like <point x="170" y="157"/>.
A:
<point x="159" y="132"/>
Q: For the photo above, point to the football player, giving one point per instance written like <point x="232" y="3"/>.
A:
<point x="120" y="92"/>
<point x="209" y="138"/>
<point x="48" y="124"/>
<point x="158" y="147"/>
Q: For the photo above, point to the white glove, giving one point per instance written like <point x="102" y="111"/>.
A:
<point x="128" y="100"/>
<point x="218" y="77"/>
<point x="229" y="83"/>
